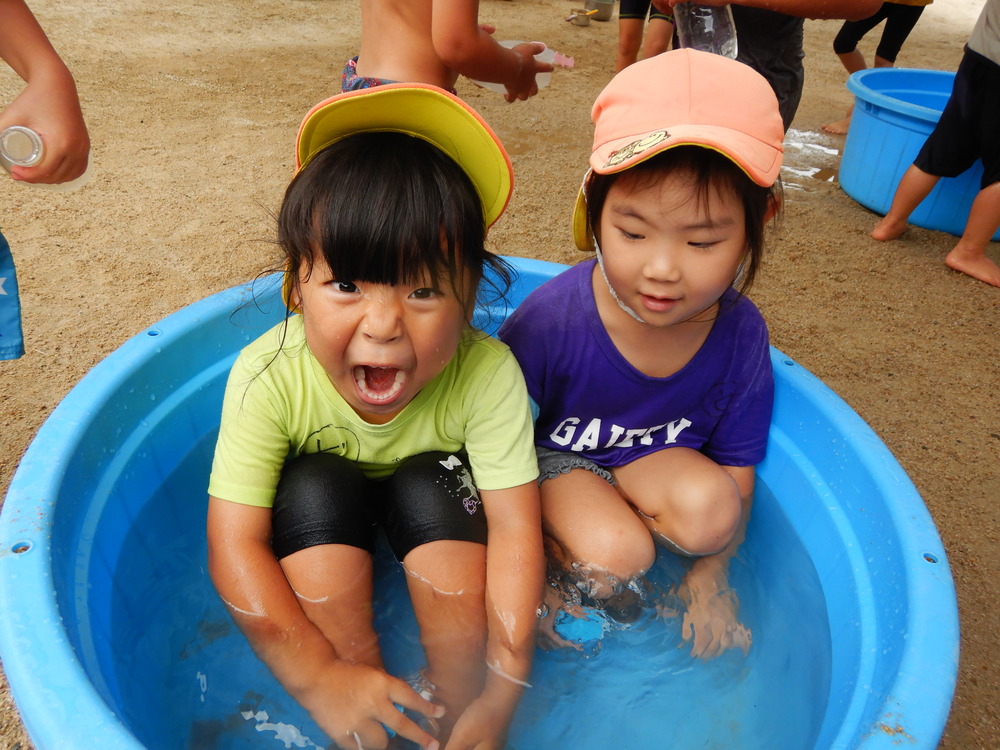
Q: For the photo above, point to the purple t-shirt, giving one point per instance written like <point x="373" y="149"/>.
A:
<point x="594" y="402"/>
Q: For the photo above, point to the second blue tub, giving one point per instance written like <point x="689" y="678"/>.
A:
<point x="895" y="110"/>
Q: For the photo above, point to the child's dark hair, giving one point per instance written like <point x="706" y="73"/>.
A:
<point x="711" y="171"/>
<point x="383" y="207"/>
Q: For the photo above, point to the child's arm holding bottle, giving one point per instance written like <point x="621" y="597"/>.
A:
<point x="515" y="573"/>
<point x="352" y="703"/>
<point x="852" y="10"/>
<point x="711" y="619"/>
<point x="48" y="104"/>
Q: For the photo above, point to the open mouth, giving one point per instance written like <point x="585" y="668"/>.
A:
<point x="379" y="384"/>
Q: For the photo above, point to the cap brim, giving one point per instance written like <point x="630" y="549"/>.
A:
<point x="422" y="111"/>
<point x="760" y="161"/>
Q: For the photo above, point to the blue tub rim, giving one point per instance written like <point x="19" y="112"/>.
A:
<point x="857" y="85"/>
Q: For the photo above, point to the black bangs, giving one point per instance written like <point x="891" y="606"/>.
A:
<point x="384" y="208"/>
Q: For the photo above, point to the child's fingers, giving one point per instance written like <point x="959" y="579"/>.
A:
<point x="701" y="638"/>
<point x="403" y="726"/>
<point x="715" y="645"/>
<point x="709" y="644"/>
<point x="742" y="638"/>
<point x="404" y="695"/>
<point x="407" y="697"/>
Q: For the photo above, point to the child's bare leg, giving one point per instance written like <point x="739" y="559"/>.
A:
<point x="696" y="512"/>
<point x="629" y="41"/>
<point x="658" y="36"/>
<point x="447" y="583"/>
<point x="333" y="583"/>
<point x="591" y="528"/>
<point x="853" y="61"/>
<point x="914" y="186"/>
<point x="969" y="255"/>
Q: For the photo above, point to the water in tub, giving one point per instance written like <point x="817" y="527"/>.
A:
<point x="194" y="683"/>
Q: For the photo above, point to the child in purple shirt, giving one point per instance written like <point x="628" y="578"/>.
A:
<point x="651" y="372"/>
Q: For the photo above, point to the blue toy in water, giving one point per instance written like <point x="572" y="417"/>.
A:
<point x="112" y="636"/>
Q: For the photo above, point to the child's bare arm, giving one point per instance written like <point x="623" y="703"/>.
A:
<point x="515" y="572"/>
<point x="466" y="47"/>
<point x="852" y="10"/>
<point x="350" y="702"/>
<point x="48" y="104"/>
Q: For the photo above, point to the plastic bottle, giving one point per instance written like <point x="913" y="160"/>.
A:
<point x="706" y="27"/>
<point x="541" y="79"/>
<point x="23" y="147"/>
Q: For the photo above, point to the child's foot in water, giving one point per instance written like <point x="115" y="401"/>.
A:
<point x="624" y="608"/>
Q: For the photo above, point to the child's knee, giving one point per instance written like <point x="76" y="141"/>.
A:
<point x="618" y="553"/>
<point x="447" y="568"/>
<point x="432" y="497"/>
<point x="707" y="519"/>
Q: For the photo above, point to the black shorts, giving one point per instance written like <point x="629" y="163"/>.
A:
<point x="969" y="127"/>
<point x="639" y="9"/>
<point x="323" y="498"/>
<point x="899" y="22"/>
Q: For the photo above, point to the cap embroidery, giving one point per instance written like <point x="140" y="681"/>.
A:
<point x="636" y="147"/>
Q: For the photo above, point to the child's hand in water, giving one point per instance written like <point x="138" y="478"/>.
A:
<point x="355" y="704"/>
<point x="480" y="727"/>
<point x="710" y="621"/>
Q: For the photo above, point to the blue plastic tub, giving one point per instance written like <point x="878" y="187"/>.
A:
<point x="895" y="109"/>
<point x="112" y="637"/>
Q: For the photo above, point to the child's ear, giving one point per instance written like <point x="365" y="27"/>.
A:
<point x="290" y="291"/>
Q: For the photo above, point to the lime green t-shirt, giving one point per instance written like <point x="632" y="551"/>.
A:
<point x="279" y="403"/>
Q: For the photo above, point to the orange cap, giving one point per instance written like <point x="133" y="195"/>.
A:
<point x="684" y="97"/>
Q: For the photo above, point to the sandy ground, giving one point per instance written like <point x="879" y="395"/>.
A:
<point x="193" y="108"/>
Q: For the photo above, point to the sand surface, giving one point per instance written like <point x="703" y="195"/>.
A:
<point x="193" y="108"/>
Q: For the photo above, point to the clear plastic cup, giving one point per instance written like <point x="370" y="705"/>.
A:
<point x="541" y="79"/>
<point x="23" y="147"/>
